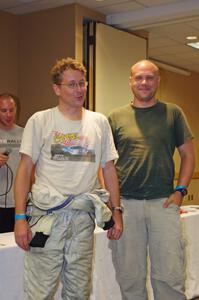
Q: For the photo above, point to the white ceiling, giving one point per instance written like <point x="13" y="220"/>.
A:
<point x="168" y="22"/>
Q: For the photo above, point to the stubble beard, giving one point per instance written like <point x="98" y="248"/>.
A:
<point x="146" y="98"/>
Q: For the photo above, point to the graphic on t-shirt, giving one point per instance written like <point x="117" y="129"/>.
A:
<point x="71" y="146"/>
<point x="8" y="145"/>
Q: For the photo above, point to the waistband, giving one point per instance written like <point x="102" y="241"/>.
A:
<point x="90" y="202"/>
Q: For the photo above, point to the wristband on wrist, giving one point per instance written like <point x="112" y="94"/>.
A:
<point x="180" y="187"/>
<point x="20" y="216"/>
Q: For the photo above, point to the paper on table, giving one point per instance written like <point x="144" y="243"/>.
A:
<point x="190" y="208"/>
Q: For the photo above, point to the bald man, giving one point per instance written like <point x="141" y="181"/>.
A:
<point x="146" y="133"/>
<point x="10" y="140"/>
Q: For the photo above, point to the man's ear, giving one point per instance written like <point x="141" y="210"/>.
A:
<point x="130" y="80"/>
<point x="56" y="89"/>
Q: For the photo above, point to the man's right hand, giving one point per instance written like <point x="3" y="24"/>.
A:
<point x="115" y="232"/>
<point x="3" y="159"/>
<point x="23" y="234"/>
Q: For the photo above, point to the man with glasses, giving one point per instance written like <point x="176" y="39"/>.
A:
<point x="146" y="133"/>
<point x="10" y="140"/>
<point x="67" y="144"/>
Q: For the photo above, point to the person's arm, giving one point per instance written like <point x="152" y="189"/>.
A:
<point x="21" y="188"/>
<point x="187" y="164"/>
<point x="101" y="178"/>
<point x="111" y="184"/>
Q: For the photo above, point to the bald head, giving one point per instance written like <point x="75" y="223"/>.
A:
<point x="144" y="82"/>
<point x="144" y="65"/>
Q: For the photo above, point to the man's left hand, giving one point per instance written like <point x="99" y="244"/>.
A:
<point x="175" y="198"/>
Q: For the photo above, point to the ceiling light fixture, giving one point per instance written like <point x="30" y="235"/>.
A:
<point x="193" y="45"/>
<point x="191" y="37"/>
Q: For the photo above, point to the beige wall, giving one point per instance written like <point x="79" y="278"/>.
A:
<point x="183" y="90"/>
<point x="46" y="36"/>
<point x="8" y="53"/>
<point x="31" y="44"/>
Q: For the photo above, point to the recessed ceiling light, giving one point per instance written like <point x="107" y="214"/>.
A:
<point x="194" y="45"/>
<point x="191" y="37"/>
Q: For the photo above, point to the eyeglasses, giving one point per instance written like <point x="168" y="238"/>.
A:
<point x="74" y="84"/>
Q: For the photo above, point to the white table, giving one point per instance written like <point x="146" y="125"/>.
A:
<point x="190" y="222"/>
<point x="105" y="285"/>
<point x="11" y="270"/>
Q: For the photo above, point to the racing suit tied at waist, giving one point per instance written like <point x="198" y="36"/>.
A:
<point x="93" y="202"/>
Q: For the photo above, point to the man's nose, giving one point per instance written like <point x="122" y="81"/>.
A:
<point x="78" y="87"/>
<point x="9" y="113"/>
<point x="144" y="80"/>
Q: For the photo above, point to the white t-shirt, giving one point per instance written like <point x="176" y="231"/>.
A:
<point x="67" y="153"/>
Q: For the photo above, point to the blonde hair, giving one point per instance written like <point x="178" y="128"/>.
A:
<point x="63" y="65"/>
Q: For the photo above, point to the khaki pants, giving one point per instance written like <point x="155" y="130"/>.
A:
<point x="147" y="225"/>
<point x="67" y="255"/>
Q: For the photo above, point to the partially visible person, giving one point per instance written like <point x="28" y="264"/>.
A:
<point x="146" y="133"/>
<point x="67" y="144"/>
<point x="10" y="140"/>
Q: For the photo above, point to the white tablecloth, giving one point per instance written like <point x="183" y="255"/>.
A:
<point x="11" y="270"/>
<point x="190" y="222"/>
<point x="104" y="283"/>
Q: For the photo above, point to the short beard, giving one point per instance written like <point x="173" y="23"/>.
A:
<point x="146" y="98"/>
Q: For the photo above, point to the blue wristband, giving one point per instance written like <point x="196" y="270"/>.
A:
<point x="180" y="187"/>
<point x="20" y="216"/>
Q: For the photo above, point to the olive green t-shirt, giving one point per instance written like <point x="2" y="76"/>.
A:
<point x="146" y="139"/>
